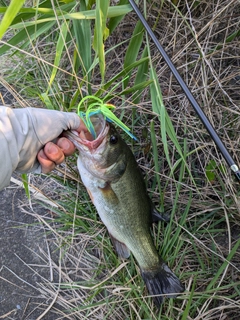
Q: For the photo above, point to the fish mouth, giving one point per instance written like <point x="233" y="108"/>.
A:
<point x="84" y="140"/>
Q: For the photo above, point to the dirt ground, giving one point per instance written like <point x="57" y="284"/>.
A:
<point x="23" y="243"/>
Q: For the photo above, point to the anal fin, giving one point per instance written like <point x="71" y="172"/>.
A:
<point x="122" y="250"/>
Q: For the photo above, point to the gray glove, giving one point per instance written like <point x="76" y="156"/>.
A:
<point x="23" y="132"/>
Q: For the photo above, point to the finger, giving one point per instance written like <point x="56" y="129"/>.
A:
<point x="66" y="146"/>
<point x="46" y="164"/>
<point x="81" y="127"/>
<point x="54" y="153"/>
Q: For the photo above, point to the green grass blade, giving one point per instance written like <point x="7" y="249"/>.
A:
<point x="45" y="98"/>
<point x="122" y="73"/>
<point x="101" y="33"/>
<point x="230" y="38"/>
<point x="82" y="32"/>
<point x="137" y="88"/>
<point x="27" y="13"/>
<point x="10" y="14"/>
<point x="89" y="14"/>
<point x="113" y="11"/>
<point x="26" y="36"/>
<point x="156" y="164"/>
<point x="133" y="48"/>
<point x="141" y="76"/>
<point x="114" y="22"/>
<point x="30" y="12"/>
<point x="186" y="312"/>
<point x="25" y="184"/>
<point x="83" y="51"/>
<point x="59" y="50"/>
<point x="224" y="265"/>
<point x="167" y="129"/>
<point x="159" y="108"/>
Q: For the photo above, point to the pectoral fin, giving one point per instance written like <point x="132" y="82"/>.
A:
<point x="121" y="248"/>
<point x="109" y="195"/>
<point x="157" y="216"/>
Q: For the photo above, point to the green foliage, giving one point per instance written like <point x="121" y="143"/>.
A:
<point x="99" y="107"/>
<point x="211" y="170"/>
<point x="25" y="184"/>
<point x="9" y="15"/>
<point x="101" y="32"/>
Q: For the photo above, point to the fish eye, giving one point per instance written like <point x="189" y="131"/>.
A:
<point x="113" y="139"/>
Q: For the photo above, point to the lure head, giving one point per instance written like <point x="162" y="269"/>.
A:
<point x="104" y="109"/>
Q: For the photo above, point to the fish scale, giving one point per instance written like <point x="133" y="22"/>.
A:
<point x="115" y="184"/>
<point x="122" y="211"/>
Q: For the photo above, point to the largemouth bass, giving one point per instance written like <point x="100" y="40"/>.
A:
<point x="116" y="187"/>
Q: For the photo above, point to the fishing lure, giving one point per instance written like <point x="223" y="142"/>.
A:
<point x="105" y="109"/>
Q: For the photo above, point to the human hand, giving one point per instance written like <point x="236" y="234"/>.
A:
<point x="54" y="153"/>
<point x="42" y="145"/>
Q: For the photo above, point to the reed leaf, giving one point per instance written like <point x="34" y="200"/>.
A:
<point x="59" y="50"/>
<point x="10" y="13"/>
<point x="83" y="51"/>
<point x="133" y="48"/>
<point x="101" y="33"/>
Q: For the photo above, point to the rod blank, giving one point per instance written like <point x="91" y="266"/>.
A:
<point x="189" y="95"/>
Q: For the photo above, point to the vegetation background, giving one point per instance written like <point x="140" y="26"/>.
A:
<point x="57" y="52"/>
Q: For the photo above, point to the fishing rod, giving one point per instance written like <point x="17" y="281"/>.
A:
<point x="233" y="166"/>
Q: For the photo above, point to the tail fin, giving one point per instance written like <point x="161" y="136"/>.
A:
<point x="162" y="282"/>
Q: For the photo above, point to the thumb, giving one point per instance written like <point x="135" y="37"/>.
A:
<point x="49" y="124"/>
